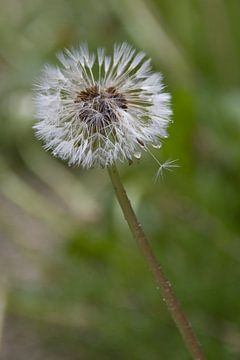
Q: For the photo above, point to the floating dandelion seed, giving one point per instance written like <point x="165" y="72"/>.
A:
<point x="98" y="109"/>
<point x="167" y="165"/>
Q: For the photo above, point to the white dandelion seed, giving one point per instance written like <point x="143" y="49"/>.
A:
<point x="97" y="109"/>
<point x="167" y="165"/>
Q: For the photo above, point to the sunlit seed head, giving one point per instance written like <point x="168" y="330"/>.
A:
<point x="97" y="109"/>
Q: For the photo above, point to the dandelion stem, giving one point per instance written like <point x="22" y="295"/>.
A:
<point x="173" y="305"/>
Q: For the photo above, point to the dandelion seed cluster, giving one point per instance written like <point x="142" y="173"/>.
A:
<point x="96" y="109"/>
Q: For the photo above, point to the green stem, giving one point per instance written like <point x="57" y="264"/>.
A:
<point x="167" y="292"/>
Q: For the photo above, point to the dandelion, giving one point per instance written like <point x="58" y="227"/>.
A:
<point x="96" y="109"/>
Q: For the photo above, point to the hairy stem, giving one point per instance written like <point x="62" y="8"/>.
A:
<point x="167" y="292"/>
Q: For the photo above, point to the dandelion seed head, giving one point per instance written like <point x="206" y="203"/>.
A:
<point x="96" y="109"/>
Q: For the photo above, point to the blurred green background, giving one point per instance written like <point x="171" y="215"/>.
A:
<point x="72" y="282"/>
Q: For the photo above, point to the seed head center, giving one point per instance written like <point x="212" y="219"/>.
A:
<point x="102" y="100"/>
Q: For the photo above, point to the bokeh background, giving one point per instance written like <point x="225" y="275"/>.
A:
<point x="72" y="282"/>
